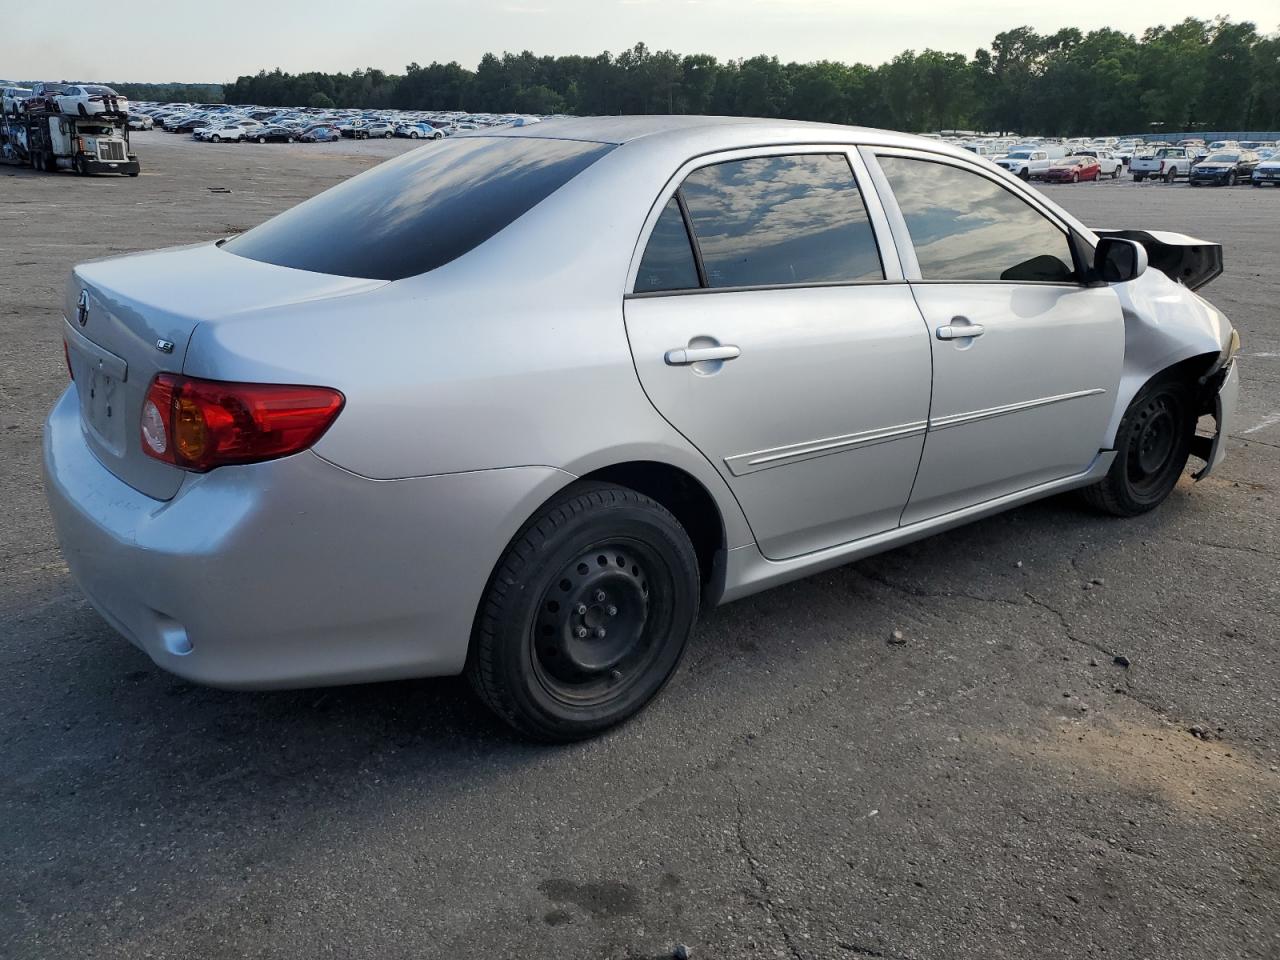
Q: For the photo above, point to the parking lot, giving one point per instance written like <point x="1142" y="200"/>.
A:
<point x="998" y="784"/>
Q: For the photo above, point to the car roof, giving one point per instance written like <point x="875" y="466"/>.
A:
<point x="701" y="134"/>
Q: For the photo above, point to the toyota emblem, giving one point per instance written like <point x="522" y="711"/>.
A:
<point x="82" y="308"/>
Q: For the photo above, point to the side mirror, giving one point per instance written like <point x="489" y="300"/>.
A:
<point x="1116" y="260"/>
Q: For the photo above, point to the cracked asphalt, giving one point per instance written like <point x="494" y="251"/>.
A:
<point x="996" y="785"/>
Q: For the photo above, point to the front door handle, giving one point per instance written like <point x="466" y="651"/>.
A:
<point x="687" y="355"/>
<point x="959" y="331"/>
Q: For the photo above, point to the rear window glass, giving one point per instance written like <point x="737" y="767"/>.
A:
<point x="419" y="211"/>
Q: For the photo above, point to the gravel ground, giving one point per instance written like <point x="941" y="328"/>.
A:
<point x="996" y="786"/>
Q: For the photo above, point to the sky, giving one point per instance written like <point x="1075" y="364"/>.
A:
<point x="129" y="40"/>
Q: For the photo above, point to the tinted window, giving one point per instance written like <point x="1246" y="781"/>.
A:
<point x="419" y="211"/>
<point x="966" y="227"/>
<point x="668" y="262"/>
<point x="779" y="220"/>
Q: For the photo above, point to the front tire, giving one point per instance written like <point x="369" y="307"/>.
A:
<point x="1152" y="446"/>
<point x="587" y="615"/>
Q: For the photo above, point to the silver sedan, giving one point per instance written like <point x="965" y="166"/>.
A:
<point x="522" y="403"/>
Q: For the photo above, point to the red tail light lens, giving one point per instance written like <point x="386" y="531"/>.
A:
<point x="201" y="424"/>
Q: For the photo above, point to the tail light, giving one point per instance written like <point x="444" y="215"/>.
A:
<point x="201" y="424"/>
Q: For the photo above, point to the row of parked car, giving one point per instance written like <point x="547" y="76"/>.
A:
<point x="221" y="123"/>
<point x="1222" y="162"/>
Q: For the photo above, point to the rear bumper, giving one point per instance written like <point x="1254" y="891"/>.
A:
<point x="290" y="573"/>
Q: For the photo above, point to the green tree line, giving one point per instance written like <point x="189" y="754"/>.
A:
<point x="170" y="92"/>
<point x="1198" y="74"/>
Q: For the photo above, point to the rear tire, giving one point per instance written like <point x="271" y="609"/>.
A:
<point x="1138" y="178"/>
<point x="1171" y="176"/>
<point x="587" y="615"/>
<point x="1153" y="442"/>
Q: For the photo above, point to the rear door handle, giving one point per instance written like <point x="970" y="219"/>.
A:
<point x="687" y="355"/>
<point x="959" y="331"/>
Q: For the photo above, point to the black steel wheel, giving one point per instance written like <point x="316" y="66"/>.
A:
<point x="1153" y="443"/>
<point x="587" y="615"/>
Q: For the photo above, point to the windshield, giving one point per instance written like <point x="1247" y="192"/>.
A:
<point x="1222" y="158"/>
<point x="419" y="211"/>
<point x="1020" y="155"/>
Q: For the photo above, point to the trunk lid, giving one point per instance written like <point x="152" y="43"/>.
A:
<point x="129" y="318"/>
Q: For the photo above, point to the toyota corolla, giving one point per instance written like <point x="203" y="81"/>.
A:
<point x="520" y="404"/>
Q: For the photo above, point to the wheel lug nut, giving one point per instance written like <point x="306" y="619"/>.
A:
<point x="582" y="609"/>
<point x="582" y="633"/>
<point x="600" y="596"/>
<point x="600" y="633"/>
<point x="613" y="611"/>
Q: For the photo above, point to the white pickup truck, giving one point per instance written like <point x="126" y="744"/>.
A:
<point x="1029" y="162"/>
<point x="1165" y="163"/>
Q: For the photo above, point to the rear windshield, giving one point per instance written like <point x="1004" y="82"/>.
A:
<point x="419" y="211"/>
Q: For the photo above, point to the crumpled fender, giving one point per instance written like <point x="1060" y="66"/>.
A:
<point x="1164" y="323"/>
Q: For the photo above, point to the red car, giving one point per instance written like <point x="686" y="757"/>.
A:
<point x="1073" y="170"/>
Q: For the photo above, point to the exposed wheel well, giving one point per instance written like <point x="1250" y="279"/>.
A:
<point x="1193" y="370"/>
<point x="687" y="499"/>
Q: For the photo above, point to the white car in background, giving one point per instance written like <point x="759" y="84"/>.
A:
<point x="91" y="100"/>
<point x="12" y="99"/>
<point x="237" y="132"/>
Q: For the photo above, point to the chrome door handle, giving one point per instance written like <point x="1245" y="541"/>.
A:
<point x="687" y="355"/>
<point x="959" y="331"/>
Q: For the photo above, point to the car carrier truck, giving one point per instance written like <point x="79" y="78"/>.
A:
<point x="52" y="141"/>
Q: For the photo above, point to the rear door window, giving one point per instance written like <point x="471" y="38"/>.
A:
<point x="781" y="220"/>
<point x="419" y="211"/>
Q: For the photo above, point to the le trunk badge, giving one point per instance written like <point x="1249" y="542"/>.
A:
<point x="82" y="308"/>
<point x="164" y="346"/>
